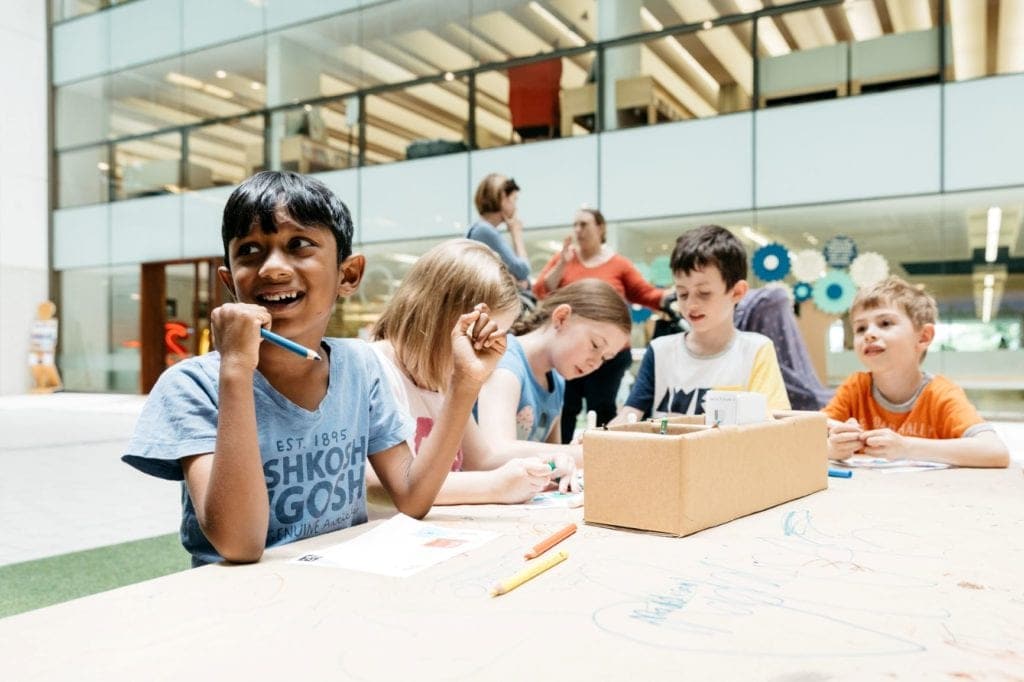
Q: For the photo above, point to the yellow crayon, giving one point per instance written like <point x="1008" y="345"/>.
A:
<point x="532" y="570"/>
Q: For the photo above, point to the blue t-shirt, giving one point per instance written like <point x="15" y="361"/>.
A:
<point x="539" y="408"/>
<point x="314" y="462"/>
<point x="483" y="231"/>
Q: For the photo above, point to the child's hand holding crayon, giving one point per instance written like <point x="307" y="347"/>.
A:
<point x="477" y="344"/>
<point x="844" y="438"/>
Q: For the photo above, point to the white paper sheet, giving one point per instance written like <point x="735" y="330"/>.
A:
<point x="556" y="499"/>
<point x="400" y="547"/>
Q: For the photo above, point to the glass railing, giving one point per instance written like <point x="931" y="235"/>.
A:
<point x="381" y="98"/>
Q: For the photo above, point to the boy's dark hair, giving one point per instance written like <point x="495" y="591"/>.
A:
<point x="307" y="201"/>
<point x="711" y="245"/>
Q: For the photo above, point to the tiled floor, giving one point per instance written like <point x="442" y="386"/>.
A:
<point x="64" y="488"/>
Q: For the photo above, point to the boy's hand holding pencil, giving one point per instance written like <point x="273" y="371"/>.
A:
<point x="236" y="332"/>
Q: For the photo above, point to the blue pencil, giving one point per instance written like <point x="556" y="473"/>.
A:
<point x="840" y="473"/>
<point x="288" y="344"/>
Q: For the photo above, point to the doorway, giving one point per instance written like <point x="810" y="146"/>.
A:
<point x="174" y="313"/>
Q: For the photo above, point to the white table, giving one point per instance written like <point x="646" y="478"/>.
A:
<point x="917" y="575"/>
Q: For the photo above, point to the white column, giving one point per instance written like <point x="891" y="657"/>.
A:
<point x="24" y="243"/>
<point x="618" y="18"/>
<point x="293" y="73"/>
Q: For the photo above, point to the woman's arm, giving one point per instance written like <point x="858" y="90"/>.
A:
<point x="540" y="287"/>
<point x="639" y="290"/>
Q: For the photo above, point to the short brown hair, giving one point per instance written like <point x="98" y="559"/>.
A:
<point x="446" y="282"/>
<point x="912" y="299"/>
<point x="711" y="245"/>
<point x="592" y="299"/>
<point x="491" y="190"/>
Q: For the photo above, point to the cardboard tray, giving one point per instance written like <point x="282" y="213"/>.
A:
<point x="697" y="476"/>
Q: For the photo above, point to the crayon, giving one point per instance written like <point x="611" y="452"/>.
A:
<point x="550" y="541"/>
<point x="532" y="570"/>
<point x="840" y="473"/>
<point x="288" y="344"/>
<point x="664" y="425"/>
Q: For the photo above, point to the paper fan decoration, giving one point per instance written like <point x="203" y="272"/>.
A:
<point x="869" y="268"/>
<point x="808" y="265"/>
<point x="771" y="262"/>
<point x="661" y="271"/>
<point x="802" y="291"/>
<point x="834" y="292"/>
<point x="840" y="251"/>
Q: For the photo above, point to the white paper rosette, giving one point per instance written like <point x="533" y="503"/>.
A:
<point x="808" y="265"/>
<point x="869" y="268"/>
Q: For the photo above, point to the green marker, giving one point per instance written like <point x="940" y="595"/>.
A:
<point x="664" y="426"/>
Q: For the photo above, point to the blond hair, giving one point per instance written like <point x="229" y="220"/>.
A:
<point x="912" y="299"/>
<point x="446" y="282"/>
<point x="592" y="299"/>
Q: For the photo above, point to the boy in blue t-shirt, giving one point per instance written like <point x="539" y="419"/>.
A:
<point x="270" y="446"/>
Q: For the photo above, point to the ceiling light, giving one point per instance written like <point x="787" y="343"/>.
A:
<point x="255" y="85"/>
<point x="217" y="90"/>
<point x="754" y="236"/>
<point x="995" y="219"/>
<point x="449" y="76"/>
<point x="986" y="304"/>
<point x="221" y="73"/>
<point x="182" y="79"/>
<point x="989" y="281"/>
<point x="557" y="23"/>
<point x="103" y="166"/>
<point x="707" y="24"/>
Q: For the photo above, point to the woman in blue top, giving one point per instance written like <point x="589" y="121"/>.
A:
<point x="495" y="200"/>
<point x="571" y="333"/>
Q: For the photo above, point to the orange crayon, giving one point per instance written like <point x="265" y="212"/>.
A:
<point x="550" y="541"/>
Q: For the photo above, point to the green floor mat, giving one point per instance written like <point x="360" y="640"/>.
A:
<point x="35" y="584"/>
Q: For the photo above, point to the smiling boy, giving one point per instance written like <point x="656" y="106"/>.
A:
<point x="709" y="268"/>
<point x="895" y="410"/>
<point x="270" y="446"/>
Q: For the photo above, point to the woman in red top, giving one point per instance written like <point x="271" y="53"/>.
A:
<point x="585" y="255"/>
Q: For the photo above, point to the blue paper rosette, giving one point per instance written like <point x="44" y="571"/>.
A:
<point x="771" y="262"/>
<point x="840" y="251"/>
<point x="802" y="291"/>
<point x="834" y="292"/>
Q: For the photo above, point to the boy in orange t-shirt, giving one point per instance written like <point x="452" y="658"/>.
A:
<point x="895" y="410"/>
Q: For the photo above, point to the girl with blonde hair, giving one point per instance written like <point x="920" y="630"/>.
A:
<point x="414" y="340"/>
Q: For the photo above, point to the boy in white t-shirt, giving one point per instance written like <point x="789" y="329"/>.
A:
<point x="709" y="268"/>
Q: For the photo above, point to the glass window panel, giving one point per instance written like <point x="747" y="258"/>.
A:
<point x="148" y="166"/>
<point x="82" y="112"/>
<point x="695" y="74"/>
<point x="224" y="153"/>
<point x="150" y="98"/>
<point x="227" y="80"/>
<point x="541" y="100"/>
<point x="66" y="9"/>
<point x="99" y="350"/>
<point x="82" y="177"/>
<point x="423" y="120"/>
<point x="315" y="138"/>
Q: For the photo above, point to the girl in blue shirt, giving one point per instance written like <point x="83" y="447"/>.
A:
<point x="571" y="333"/>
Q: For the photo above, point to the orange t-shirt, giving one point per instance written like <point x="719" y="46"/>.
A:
<point x="940" y="409"/>
<point x="617" y="271"/>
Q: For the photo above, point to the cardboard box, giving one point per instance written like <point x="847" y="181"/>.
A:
<point x="697" y="476"/>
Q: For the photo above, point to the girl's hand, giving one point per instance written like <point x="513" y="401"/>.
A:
<point x="565" y="472"/>
<point x="477" y="345"/>
<point x="518" y="480"/>
<point x="568" y="250"/>
<point x="236" y="332"/>
<point x="844" y="438"/>
<point x="885" y="443"/>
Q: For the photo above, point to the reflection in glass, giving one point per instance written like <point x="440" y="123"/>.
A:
<point x="99" y="348"/>
<point x="152" y="165"/>
<point x="429" y="119"/>
<point x="224" y="153"/>
<point x="83" y="177"/>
